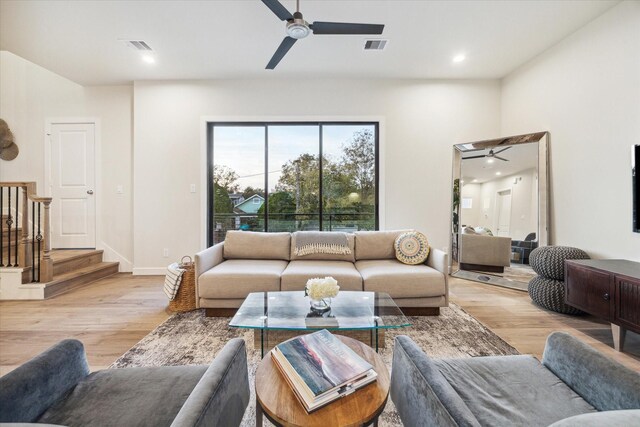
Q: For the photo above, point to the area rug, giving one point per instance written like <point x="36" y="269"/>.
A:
<point x="192" y="338"/>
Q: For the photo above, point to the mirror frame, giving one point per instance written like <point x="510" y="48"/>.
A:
<point x="543" y="231"/>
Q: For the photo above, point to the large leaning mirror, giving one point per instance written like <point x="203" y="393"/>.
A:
<point x="500" y="208"/>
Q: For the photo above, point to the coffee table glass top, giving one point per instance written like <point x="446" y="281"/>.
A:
<point x="350" y="310"/>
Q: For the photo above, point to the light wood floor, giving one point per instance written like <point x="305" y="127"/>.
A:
<point x="113" y="314"/>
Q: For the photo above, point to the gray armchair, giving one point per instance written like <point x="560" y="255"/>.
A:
<point x="56" y="388"/>
<point x="573" y="380"/>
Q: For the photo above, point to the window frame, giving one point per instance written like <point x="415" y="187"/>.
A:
<point x="265" y="124"/>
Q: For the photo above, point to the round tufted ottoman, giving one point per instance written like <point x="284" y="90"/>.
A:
<point x="548" y="261"/>
<point x="549" y="294"/>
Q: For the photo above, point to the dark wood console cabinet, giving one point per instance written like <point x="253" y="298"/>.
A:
<point x="609" y="289"/>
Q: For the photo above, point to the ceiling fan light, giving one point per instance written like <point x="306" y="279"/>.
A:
<point x="298" y="30"/>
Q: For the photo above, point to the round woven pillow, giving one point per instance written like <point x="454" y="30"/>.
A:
<point x="548" y="261"/>
<point x="411" y="248"/>
<point x="549" y="294"/>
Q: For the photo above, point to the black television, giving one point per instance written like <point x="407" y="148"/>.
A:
<point x="635" y="176"/>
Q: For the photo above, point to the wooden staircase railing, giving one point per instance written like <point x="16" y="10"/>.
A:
<point x="27" y="245"/>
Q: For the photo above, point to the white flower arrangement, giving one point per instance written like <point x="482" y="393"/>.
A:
<point x="319" y="288"/>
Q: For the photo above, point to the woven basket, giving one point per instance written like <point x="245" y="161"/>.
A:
<point x="185" y="299"/>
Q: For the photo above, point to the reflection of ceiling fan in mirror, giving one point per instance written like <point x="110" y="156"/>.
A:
<point x="491" y="155"/>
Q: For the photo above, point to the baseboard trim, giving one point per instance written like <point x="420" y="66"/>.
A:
<point x="111" y="255"/>
<point x="153" y="271"/>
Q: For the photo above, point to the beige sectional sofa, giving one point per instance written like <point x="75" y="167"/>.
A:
<point x="256" y="262"/>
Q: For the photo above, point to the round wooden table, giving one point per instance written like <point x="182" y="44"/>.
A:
<point x="277" y="401"/>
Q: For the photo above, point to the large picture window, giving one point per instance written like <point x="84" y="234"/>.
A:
<point x="292" y="176"/>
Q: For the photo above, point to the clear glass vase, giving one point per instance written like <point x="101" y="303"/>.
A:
<point x="320" y="305"/>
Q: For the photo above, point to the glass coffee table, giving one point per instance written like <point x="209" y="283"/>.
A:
<point x="278" y="316"/>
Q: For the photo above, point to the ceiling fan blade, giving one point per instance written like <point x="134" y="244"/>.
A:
<point x="474" y="157"/>
<point x="281" y="52"/>
<point x="504" y="149"/>
<point x="277" y="8"/>
<point x="501" y="158"/>
<point x="345" y="28"/>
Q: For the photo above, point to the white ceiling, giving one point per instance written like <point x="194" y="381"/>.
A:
<point x="520" y="157"/>
<point x="235" y="39"/>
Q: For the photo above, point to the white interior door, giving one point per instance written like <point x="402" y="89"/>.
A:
<point x="504" y="212"/>
<point x="73" y="208"/>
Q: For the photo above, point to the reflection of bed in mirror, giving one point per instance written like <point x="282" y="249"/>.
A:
<point x="500" y="208"/>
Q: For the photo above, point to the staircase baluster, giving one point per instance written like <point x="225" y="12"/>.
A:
<point x="39" y="239"/>
<point x="9" y="222"/>
<point x="24" y="235"/>
<point x="33" y="242"/>
<point x="16" y="262"/>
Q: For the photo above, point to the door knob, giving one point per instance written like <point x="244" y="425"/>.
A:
<point x="89" y="191"/>
<point x="606" y="297"/>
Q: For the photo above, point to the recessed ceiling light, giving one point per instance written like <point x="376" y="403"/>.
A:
<point x="475" y="180"/>
<point x="149" y="59"/>
<point x="498" y="173"/>
<point x="459" y="58"/>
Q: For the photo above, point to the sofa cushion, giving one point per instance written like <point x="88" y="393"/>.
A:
<point x="327" y="257"/>
<point x="126" y="397"/>
<point x="256" y="245"/>
<point x="297" y="273"/>
<point x="237" y="278"/>
<point x="401" y="280"/>
<point x="511" y="390"/>
<point x="376" y="244"/>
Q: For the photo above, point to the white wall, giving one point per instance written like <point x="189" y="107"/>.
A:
<point x="422" y="121"/>
<point x="524" y="206"/>
<point x="28" y="95"/>
<point x="586" y="92"/>
<point x="113" y="106"/>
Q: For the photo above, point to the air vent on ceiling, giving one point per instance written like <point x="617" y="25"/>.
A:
<point x="138" y="45"/>
<point x="375" y="44"/>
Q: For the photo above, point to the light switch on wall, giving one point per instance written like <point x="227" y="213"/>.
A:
<point x="193" y="188"/>
<point x="119" y="189"/>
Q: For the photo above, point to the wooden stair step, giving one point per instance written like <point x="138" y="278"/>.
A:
<point x="5" y="232"/>
<point x="65" y="261"/>
<point x="77" y="278"/>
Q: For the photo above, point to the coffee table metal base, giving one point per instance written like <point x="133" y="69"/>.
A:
<point x="266" y="339"/>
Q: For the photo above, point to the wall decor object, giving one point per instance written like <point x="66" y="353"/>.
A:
<point x="8" y="148"/>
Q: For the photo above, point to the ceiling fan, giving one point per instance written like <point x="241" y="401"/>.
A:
<point x="491" y="155"/>
<point x="298" y="28"/>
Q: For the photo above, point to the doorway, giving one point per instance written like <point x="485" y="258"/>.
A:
<point x="503" y="207"/>
<point x="72" y="178"/>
